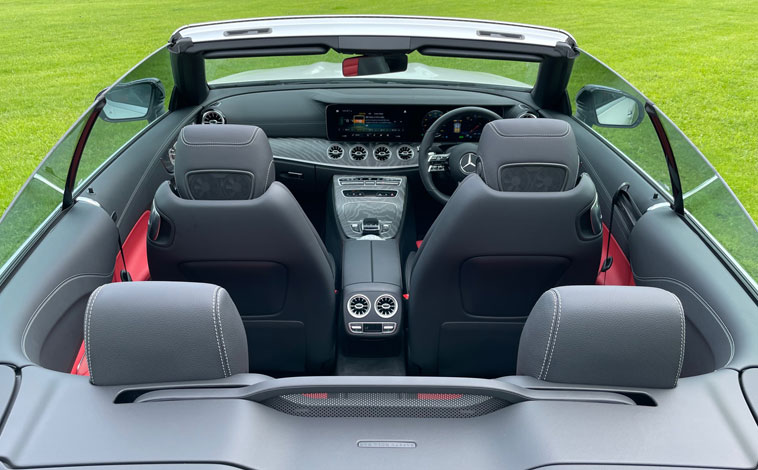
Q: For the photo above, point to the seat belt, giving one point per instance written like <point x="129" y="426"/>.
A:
<point x="124" y="274"/>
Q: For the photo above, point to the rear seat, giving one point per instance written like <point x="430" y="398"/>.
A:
<point x="604" y="335"/>
<point x="152" y="332"/>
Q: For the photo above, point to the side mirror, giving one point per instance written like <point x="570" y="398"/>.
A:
<point x="607" y="107"/>
<point x="134" y="101"/>
<point x="374" y="65"/>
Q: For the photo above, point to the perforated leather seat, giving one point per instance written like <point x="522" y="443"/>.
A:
<point x="231" y="224"/>
<point x="521" y="226"/>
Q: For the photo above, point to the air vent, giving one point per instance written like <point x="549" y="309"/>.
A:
<point x="358" y="306"/>
<point x="385" y="306"/>
<point x="358" y="152"/>
<point x="213" y="116"/>
<point x="528" y="115"/>
<point x="335" y="152"/>
<point x="405" y="152"/>
<point x="382" y="153"/>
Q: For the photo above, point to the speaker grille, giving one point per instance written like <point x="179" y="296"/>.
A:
<point x="385" y="405"/>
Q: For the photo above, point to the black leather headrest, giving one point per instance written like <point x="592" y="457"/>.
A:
<point x="528" y="155"/>
<point x="223" y="162"/>
<point x="605" y="335"/>
<point x="152" y="332"/>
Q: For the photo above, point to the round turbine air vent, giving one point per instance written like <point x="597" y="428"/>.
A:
<point x="528" y="115"/>
<point x="213" y="116"/>
<point x="405" y="152"/>
<point x="335" y="152"/>
<point x="382" y="153"/>
<point x="358" y="306"/>
<point x="358" y="152"/>
<point x="385" y="305"/>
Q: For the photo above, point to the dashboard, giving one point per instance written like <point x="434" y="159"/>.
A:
<point x="393" y="123"/>
<point x="356" y="128"/>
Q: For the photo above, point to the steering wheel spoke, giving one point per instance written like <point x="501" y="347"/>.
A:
<point x="438" y="162"/>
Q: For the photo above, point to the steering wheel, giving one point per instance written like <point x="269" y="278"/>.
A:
<point x="460" y="159"/>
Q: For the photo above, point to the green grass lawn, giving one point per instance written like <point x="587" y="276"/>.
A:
<point x="693" y="58"/>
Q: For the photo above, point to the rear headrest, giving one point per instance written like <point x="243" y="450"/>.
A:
<point x="604" y="335"/>
<point x="223" y="162"/>
<point x="151" y="332"/>
<point x="528" y="155"/>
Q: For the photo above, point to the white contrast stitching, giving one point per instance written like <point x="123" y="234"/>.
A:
<point x="215" y="331"/>
<point x="681" y="338"/>
<point x="703" y="302"/>
<point x="550" y="336"/>
<point x="555" y="338"/>
<point x="268" y="173"/>
<point x="52" y="293"/>
<point x="88" y="328"/>
<point x="221" y="330"/>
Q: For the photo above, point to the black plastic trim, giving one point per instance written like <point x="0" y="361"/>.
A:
<point x="668" y="152"/>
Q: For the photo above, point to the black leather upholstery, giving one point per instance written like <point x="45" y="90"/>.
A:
<point x="490" y="255"/>
<point x="605" y="335"/>
<point x="528" y="155"/>
<point x="150" y="332"/>
<point x="264" y="251"/>
<point x="229" y="162"/>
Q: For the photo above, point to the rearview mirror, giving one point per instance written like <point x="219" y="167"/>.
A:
<point x="134" y="101"/>
<point x="607" y="107"/>
<point x="374" y="65"/>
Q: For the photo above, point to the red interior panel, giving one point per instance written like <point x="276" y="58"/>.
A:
<point x="620" y="273"/>
<point x="135" y="250"/>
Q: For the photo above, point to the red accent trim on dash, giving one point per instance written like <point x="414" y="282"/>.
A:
<point x="135" y="250"/>
<point x="620" y="273"/>
<point x="350" y="67"/>
<point x="406" y="296"/>
<point x="418" y="243"/>
<point x="439" y="396"/>
<point x="317" y="396"/>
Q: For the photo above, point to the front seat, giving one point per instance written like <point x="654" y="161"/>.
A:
<point x="227" y="222"/>
<point x="524" y="224"/>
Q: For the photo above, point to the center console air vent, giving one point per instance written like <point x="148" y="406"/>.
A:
<point x="405" y="152"/>
<point x="358" y="306"/>
<point x="386" y="306"/>
<point x="358" y="152"/>
<point x="528" y="115"/>
<point x="382" y="153"/>
<point x="213" y="116"/>
<point x="335" y="151"/>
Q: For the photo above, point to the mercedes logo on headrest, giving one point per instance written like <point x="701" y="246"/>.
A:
<point x="468" y="162"/>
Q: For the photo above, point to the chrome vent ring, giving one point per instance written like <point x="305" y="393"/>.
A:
<point x="386" y="305"/>
<point x="358" y="306"/>
<point x="213" y="116"/>
<point x="405" y="152"/>
<point x="382" y="153"/>
<point x="358" y="153"/>
<point x="335" y="152"/>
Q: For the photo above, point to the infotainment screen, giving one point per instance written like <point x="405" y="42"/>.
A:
<point x="367" y="123"/>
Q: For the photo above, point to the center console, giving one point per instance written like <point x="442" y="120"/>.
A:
<point x="372" y="288"/>
<point x="369" y="211"/>
<point x="369" y="207"/>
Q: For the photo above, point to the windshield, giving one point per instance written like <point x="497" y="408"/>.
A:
<point x="328" y="67"/>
